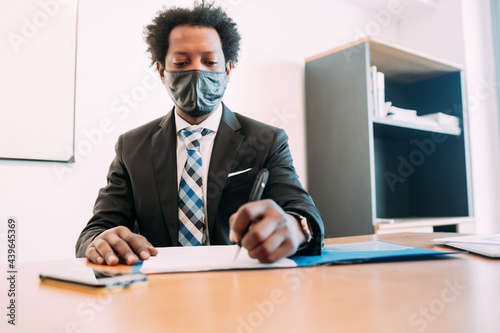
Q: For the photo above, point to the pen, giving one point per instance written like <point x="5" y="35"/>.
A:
<point x="255" y="194"/>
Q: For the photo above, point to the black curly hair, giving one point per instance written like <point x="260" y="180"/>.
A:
<point x="203" y="14"/>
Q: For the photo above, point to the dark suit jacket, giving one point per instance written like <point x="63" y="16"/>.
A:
<point x="142" y="181"/>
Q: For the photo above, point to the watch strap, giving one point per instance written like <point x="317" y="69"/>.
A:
<point x="306" y="229"/>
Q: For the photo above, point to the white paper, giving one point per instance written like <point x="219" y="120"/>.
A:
<point x="205" y="258"/>
<point x="443" y="119"/>
<point x="477" y="239"/>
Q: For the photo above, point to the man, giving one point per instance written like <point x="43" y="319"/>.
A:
<point x="185" y="179"/>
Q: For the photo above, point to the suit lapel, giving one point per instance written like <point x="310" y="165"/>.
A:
<point x="226" y="146"/>
<point x="164" y="155"/>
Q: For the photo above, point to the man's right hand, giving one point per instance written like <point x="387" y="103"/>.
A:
<point x="122" y="242"/>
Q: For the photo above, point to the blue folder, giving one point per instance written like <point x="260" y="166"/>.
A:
<point x="367" y="251"/>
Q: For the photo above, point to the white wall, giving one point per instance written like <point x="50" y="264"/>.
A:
<point x="116" y="92"/>
<point x="437" y="31"/>
<point x="483" y="114"/>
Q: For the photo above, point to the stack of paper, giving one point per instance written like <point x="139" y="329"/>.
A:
<point x="487" y="245"/>
<point x="439" y="120"/>
<point x="395" y="112"/>
<point x="443" y="120"/>
<point x="407" y="116"/>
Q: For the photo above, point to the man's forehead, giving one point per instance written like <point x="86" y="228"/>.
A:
<point x="188" y="36"/>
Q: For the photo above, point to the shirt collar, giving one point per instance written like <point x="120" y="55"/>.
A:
<point x="211" y="123"/>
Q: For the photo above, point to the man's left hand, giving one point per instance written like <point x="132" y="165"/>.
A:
<point x="273" y="234"/>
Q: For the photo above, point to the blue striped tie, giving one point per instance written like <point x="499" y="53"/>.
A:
<point x="191" y="208"/>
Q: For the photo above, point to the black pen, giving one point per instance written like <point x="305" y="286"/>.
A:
<point x="255" y="194"/>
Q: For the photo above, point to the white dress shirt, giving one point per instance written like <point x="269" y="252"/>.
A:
<point x="206" y="147"/>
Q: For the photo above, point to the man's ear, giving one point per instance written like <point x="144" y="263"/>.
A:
<point x="229" y="67"/>
<point x="160" y="69"/>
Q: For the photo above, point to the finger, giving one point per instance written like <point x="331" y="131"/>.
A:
<point x="152" y="250"/>
<point x="244" y="215"/>
<point x="259" y="232"/>
<point x="237" y="226"/>
<point x="274" y="248"/>
<point x="264" y="249"/>
<point x="122" y="248"/>
<point x="105" y="250"/>
<point x="136" y="243"/>
<point x="92" y="255"/>
<point x="285" y="250"/>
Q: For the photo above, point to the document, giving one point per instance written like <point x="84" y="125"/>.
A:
<point x="221" y="257"/>
<point x="477" y="239"/>
<point x="205" y="258"/>
<point x="486" y="245"/>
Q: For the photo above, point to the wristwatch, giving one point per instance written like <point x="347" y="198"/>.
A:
<point x="306" y="229"/>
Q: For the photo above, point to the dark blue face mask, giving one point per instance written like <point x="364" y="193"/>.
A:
<point x="196" y="92"/>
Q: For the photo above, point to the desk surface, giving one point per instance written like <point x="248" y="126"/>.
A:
<point x="442" y="295"/>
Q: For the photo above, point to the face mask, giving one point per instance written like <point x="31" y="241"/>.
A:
<point x="196" y="92"/>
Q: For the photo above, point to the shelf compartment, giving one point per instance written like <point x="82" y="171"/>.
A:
<point x="419" y="173"/>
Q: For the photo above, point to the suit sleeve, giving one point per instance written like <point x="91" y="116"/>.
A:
<point x="286" y="190"/>
<point x="114" y="205"/>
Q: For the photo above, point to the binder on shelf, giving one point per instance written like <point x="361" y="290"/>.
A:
<point x="373" y="71"/>
<point x="378" y="92"/>
<point x="381" y="94"/>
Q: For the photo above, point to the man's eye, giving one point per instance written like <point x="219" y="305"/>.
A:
<point x="180" y="63"/>
<point x="212" y="63"/>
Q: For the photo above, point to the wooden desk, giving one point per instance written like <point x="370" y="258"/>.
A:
<point x="446" y="295"/>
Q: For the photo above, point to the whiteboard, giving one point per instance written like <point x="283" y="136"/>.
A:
<point x="37" y="79"/>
